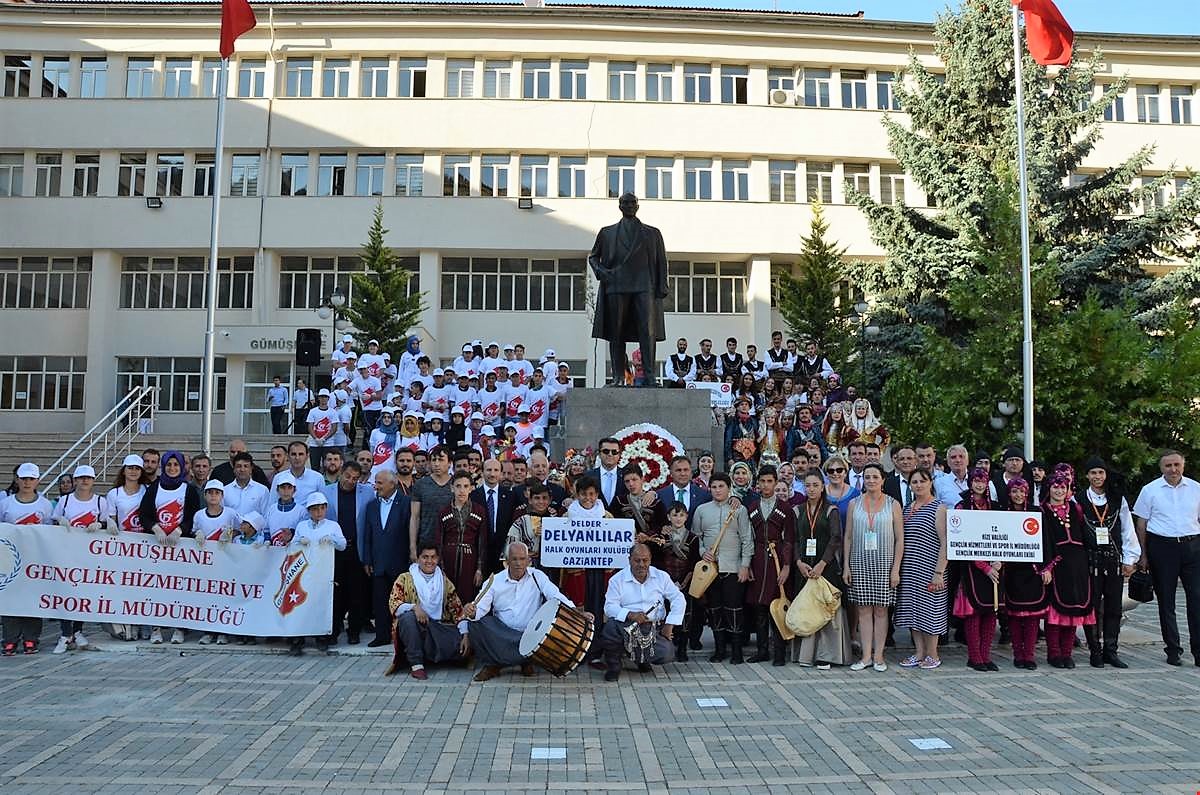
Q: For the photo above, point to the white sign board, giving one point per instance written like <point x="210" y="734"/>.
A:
<point x="994" y="535"/>
<point x="586" y="543"/>
<point x="720" y="395"/>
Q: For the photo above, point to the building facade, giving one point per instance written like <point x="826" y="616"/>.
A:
<point x="724" y="122"/>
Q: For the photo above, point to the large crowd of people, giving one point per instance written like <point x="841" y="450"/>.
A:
<point x="437" y="529"/>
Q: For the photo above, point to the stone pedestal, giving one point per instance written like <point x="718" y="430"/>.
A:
<point x="595" y="413"/>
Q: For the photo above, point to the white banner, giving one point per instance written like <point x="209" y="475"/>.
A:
<point x="720" y="396"/>
<point x="586" y="543"/>
<point x="994" y="535"/>
<point x="131" y="578"/>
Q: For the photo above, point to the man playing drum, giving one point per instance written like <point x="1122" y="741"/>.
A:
<point x="503" y="611"/>
<point x="639" y="624"/>
<point x="426" y="612"/>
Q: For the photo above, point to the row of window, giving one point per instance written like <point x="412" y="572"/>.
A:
<point x="137" y="174"/>
<point x="56" y="383"/>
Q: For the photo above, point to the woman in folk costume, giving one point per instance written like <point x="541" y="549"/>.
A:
<point x="771" y="438"/>
<point x="1071" y="544"/>
<point x="741" y="435"/>
<point x="866" y="427"/>
<point x="773" y="525"/>
<point x="1023" y="589"/>
<point x="462" y="538"/>
<point x="833" y="429"/>
<point x="978" y="582"/>
<point x="818" y="554"/>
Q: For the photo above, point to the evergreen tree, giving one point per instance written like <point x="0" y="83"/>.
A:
<point x="381" y="308"/>
<point x="808" y="302"/>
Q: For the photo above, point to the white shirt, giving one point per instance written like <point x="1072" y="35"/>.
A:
<point x="210" y="527"/>
<point x="307" y="482"/>
<point x="374" y="362"/>
<point x="123" y="508"/>
<point x="1131" y="550"/>
<point x="323" y="529"/>
<point x="369" y="392"/>
<point x="13" y="511"/>
<point x="1170" y="511"/>
<point x="626" y="595"/>
<point x="495" y="492"/>
<point x="461" y="365"/>
<point x="524" y="366"/>
<point x="385" y="508"/>
<point x="246" y="499"/>
<point x="948" y="488"/>
<point x="326" y="422"/>
<point x="515" y="602"/>
<point x="539" y="405"/>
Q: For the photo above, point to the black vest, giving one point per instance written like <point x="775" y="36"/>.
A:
<point x="753" y="367"/>
<point x="731" y="364"/>
<point x="706" y="365"/>
<point x="680" y="365"/>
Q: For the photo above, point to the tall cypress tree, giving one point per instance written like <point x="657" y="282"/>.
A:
<point x="381" y="308"/>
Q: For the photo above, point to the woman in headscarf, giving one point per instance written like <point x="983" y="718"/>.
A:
<point x="383" y="441"/>
<point x="771" y="439"/>
<point x="743" y="480"/>
<point x="574" y="469"/>
<point x="833" y="429"/>
<point x="410" y="431"/>
<point x="978" y="583"/>
<point x="1071" y="544"/>
<point x="866" y="427"/>
<point x="1023" y="589"/>
<point x="167" y="509"/>
<point x="408" y="368"/>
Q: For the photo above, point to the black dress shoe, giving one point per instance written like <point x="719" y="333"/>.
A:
<point x="681" y="654"/>
<point x="1055" y="662"/>
<point x="1111" y="658"/>
<point x="352" y="638"/>
<point x="1173" y="659"/>
<point x="1030" y="665"/>
<point x="323" y="645"/>
<point x="990" y="666"/>
<point x="295" y="651"/>
<point x="644" y="668"/>
<point x="1096" y="659"/>
<point x="694" y="644"/>
<point x="375" y="644"/>
<point x="1068" y="662"/>
<point x="612" y="676"/>
<point x="977" y="666"/>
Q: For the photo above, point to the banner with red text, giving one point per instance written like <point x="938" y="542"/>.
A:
<point x="131" y="578"/>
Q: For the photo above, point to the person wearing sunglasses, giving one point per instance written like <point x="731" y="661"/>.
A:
<point x="838" y="492"/>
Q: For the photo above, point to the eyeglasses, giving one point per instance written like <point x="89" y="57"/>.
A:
<point x="609" y="452"/>
<point x="836" y="470"/>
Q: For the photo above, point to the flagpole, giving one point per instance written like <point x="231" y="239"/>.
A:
<point x="1026" y="278"/>
<point x="210" y="296"/>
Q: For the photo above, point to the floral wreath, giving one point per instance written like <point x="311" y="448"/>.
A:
<point x="651" y="447"/>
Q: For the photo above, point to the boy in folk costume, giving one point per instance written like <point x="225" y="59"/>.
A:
<point x="648" y="513"/>
<point x="1107" y="513"/>
<point x="680" y="557"/>
<point x="462" y="538"/>
<point x="773" y="523"/>
<point x="427" y="623"/>
<point x="726" y="595"/>
<point x="528" y="528"/>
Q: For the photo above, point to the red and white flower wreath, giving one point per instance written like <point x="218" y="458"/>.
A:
<point x="651" y="447"/>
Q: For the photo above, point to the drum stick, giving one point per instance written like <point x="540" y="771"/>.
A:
<point x="486" y="586"/>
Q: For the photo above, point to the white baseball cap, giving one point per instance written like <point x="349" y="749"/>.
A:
<point x="508" y="346"/>
<point x="284" y="478"/>
<point x="508" y="425"/>
<point x="467" y="347"/>
<point x="459" y="411"/>
<point x="28" y="470"/>
<point x="538" y="433"/>
<point x="133" y="460"/>
<point x="524" y="408"/>
<point x="493" y="344"/>
<point x="341" y="395"/>
<point x="84" y="471"/>
<point x="475" y="415"/>
<point x="388" y="410"/>
<point x="487" y="430"/>
<point x="315" y="499"/>
<point x="215" y="484"/>
<point x="549" y="353"/>
<point x="476" y="342"/>
<point x="372" y="342"/>
<point x="387" y="357"/>
<point x="351" y="355"/>
<point x="323" y="393"/>
<point x="430" y="416"/>
<point x="439" y="371"/>
<point x="254" y="519"/>
<point x="408" y="414"/>
<point x="347" y="338"/>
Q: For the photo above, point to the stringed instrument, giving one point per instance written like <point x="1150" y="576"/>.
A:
<point x="705" y="572"/>
<point x="779" y="607"/>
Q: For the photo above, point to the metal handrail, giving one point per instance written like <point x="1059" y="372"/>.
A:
<point x="110" y="438"/>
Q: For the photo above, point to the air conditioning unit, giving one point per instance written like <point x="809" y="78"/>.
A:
<point x="782" y="97"/>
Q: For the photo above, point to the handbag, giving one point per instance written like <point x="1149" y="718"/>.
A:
<point x="815" y="606"/>
<point x="1141" y="587"/>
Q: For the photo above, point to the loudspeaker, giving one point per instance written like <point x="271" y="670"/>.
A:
<point x="308" y="347"/>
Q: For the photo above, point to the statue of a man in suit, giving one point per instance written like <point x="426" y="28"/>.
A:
<point x="630" y="262"/>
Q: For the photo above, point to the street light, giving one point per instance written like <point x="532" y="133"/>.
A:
<point x="329" y="309"/>
<point x="860" y="311"/>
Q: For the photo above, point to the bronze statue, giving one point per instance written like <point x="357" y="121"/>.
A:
<point x="630" y="262"/>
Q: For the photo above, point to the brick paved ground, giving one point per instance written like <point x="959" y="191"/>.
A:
<point x="141" y="719"/>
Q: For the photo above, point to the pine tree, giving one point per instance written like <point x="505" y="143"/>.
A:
<point x="381" y="308"/>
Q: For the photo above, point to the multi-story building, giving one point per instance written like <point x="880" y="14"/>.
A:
<point x="724" y="122"/>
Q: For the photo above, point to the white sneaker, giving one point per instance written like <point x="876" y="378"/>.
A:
<point x="61" y="646"/>
<point x="156" y="636"/>
<point x="81" y="642"/>
<point x="205" y="639"/>
<point x="222" y="640"/>
<point x="177" y="637"/>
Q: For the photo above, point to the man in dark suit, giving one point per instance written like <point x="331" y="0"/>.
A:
<point x="224" y="472"/>
<point x="499" y="503"/>
<point x="348" y="500"/>
<point x="630" y="262"/>
<point x="539" y="470"/>
<point x="896" y="485"/>
<point x="384" y="550"/>
<point x="608" y="474"/>
<point x="680" y="488"/>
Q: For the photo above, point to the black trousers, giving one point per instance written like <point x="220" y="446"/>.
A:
<point x="1108" y="593"/>
<point x="369" y="420"/>
<point x="351" y="594"/>
<point x="725" y="601"/>
<point x="278" y="419"/>
<point x="1172" y="562"/>
<point x="300" y="422"/>
<point x="381" y="589"/>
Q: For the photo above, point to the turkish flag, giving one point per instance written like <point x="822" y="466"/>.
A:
<point x="132" y="523"/>
<point x="236" y="18"/>
<point x="1047" y="33"/>
<point x="381" y="453"/>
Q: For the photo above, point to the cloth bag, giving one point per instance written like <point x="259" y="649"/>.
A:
<point x="814" y="607"/>
<point x="1141" y="588"/>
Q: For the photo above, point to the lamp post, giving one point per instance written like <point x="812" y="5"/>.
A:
<point x="329" y="308"/>
<point x="860" y="311"/>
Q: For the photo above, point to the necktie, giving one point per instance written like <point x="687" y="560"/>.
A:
<point x="907" y="494"/>
<point x="681" y="495"/>
<point x="608" y="486"/>
<point x="491" y="507"/>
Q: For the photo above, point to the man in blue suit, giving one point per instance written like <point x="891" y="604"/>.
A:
<point x="352" y="589"/>
<point x="384" y="548"/>
<point x="499" y="504"/>
<point x="608" y="474"/>
<point x="680" y="488"/>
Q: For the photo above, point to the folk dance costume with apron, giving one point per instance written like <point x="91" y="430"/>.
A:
<point x="1025" y="599"/>
<point x="1072" y="545"/>
<point x="462" y="540"/>
<point x="1109" y="518"/>
<point x="819" y="538"/>
<point x="679" y="368"/>
<point x="681" y="556"/>
<point x="973" y="600"/>
<point x="782" y="358"/>
<point x="414" y="643"/>
<point x="773" y="523"/>
<point x="649" y="521"/>
<point x="726" y="595"/>
<point x="528" y="530"/>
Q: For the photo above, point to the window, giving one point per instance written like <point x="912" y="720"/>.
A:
<point x="177" y="78"/>
<point x="368" y="175"/>
<point x="622" y="81"/>
<point x="697" y="178"/>
<point x="243" y="175"/>
<point x="735" y="82"/>
<point x="735" y="180"/>
<point x="535" y="175"/>
<point x="1154" y="196"/>
<point x="45" y="282"/>
<point x="891" y="185"/>
<point x="131" y="174"/>
<point x="493" y="175"/>
<point x="42" y="383"/>
<point x="854" y="88"/>
<point x="87" y="175"/>
<point x="885" y="91"/>
<point x="252" y="79"/>
<point x="620" y="176"/>
<point x="781" y="79"/>
<point x="1114" y="110"/>
<point x="169" y="169"/>
<point x="373" y="77"/>
<point x="12" y="170"/>
<point x="513" y="283"/>
<point x="139" y="77"/>
<point x="781" y="180"/>
<point x="858" y="177"/>
<point x="659" y="77"/>
<point x="1181" y="104"/>
<point x="47" y="171"/>
<point x="293" y="174"/>
<point x="572" y="79"/>
<point x="18" y="72"/>
<point x="820" y="182"/>
<point x="204" y="175"/>
<point x="331" y="174"/>
<point x="179" y="380"/>
<point x="497" y="79"/>
<point x="93" y="77"/>
<point x="210" y="77"/>
<point x="412" y="77"/>
<point x="572" y="177"/>
<point x="298" y="78"/>
<point x="460" y="77"/>
<point x="535" y="79"/>
<point x="456" y="175"/>
<point x="56" y="76"/>
<point x="706" y="287"/>
<point x="410" y="176"/>
<point x="1147" y="104"/>
<point x="659" y="173"/>
<point x="305" y="282"/>
<point x="697" y="83"/>
<point x="816" y="87"/>
<point x="335" y="77"/>
<point x="180" y="282"/>
<point x="777" y="273"/>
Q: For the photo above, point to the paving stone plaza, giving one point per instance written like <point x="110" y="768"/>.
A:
<point x="192" y="719"/>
